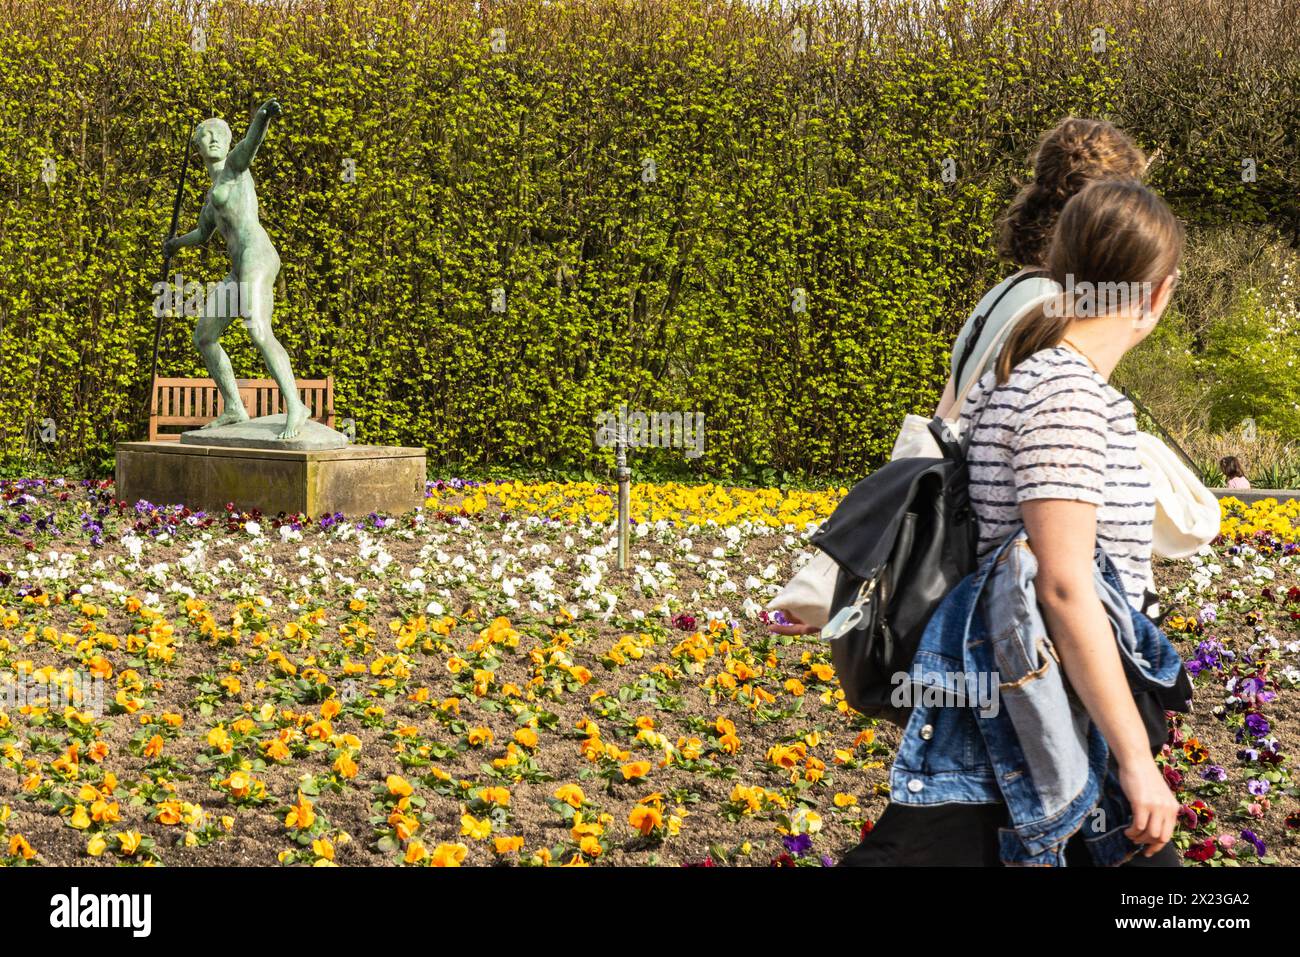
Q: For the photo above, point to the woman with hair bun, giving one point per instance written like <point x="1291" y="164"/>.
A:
<point x="1068" y="157"/>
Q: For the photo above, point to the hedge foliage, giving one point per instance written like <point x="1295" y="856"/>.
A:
<point x="650" y="183"/>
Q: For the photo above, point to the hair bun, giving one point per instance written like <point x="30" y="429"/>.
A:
<point x="1068" y="157"/>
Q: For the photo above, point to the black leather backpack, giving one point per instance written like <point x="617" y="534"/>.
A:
<point x="903" y="538"/>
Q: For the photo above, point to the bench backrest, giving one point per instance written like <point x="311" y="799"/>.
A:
<point x="189" y="403"/>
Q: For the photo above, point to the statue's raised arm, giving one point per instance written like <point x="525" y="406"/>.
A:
<point x="242" y="153"/>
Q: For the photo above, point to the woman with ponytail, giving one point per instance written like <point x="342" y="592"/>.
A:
<point x="1052" y="448"/>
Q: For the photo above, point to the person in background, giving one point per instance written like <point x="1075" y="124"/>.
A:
<point x="1232" y="471"/>
<point x="1071" y="155"/>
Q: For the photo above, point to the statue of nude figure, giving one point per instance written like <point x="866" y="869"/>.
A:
<point x="231" y="207"/>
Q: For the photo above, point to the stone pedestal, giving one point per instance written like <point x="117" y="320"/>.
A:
<point x="355" y="480"/>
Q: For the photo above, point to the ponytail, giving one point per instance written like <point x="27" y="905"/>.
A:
<point x="1036" y="331"/>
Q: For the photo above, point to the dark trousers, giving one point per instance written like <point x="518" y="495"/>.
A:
<point x="960" y="835"/>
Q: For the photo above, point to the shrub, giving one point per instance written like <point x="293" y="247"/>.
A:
<point x="528" y="171"/>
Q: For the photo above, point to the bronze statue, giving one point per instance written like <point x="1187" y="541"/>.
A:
<point x="249" y="288"/>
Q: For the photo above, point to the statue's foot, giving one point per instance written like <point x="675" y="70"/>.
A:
<point x="232" y="415"/>
<point x="293" y="420"/>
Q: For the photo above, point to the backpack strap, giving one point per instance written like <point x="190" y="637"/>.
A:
<point x="1150" y="602"/>
<point x="977" y="330"/>
<point x="952" y="447"/>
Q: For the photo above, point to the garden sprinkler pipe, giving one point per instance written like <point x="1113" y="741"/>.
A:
<point x="624" y="474"/>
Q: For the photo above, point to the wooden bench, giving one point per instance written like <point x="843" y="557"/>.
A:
<point x="190" y="403"/>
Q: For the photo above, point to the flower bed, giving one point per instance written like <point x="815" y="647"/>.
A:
<point x="476" y="683"/>
<point x="1234" y="613"/>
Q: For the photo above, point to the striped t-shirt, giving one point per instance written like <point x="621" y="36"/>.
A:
<point x="1057" y="429"/>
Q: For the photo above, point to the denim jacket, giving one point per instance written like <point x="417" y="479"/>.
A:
<point x="994" y="721"/>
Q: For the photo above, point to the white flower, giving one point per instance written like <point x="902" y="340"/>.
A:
<point x="133" y="545"/>
<point x="194" y="560"/>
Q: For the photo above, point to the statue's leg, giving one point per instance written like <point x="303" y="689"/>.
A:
<point x="207" y="338"/>
<point x="260" y="305"/>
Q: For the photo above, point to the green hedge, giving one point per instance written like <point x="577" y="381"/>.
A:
<point x="524" y="169"/>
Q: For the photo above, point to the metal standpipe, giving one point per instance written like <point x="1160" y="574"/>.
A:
<point x="624" y="475"/>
